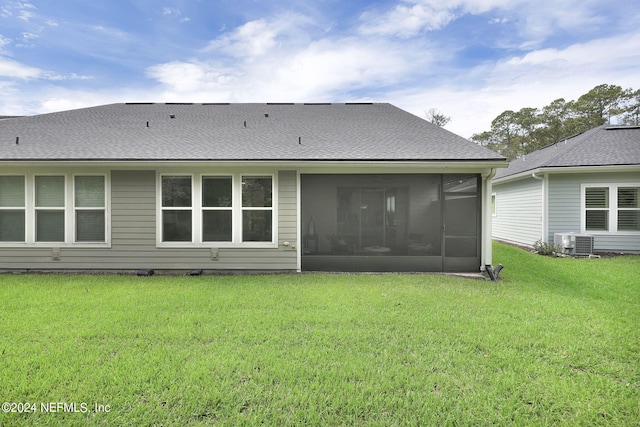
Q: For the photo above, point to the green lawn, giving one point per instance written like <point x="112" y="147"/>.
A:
<point x="555" y="342"/>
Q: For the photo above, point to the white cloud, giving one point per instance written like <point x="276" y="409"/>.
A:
<point x="269" y="61"/>
<point x="407" y="20"/>
<point x="531" y="80"/>
<point x="533" y="21"/>
<point x="14" y="69"/>
<point x="3" y="42"/>
<point x="411" y="17"/>
<point x="25" y="15"/>
<point x="259" y="37"/>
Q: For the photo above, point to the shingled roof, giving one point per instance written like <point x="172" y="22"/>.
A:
<point x="602" y="146"/>
<point x="236" y="132"/>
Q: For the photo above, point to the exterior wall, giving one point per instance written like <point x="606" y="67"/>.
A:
<point x="132" y="220"/>
<point x="518" y="216"/>
<point x="133" y="237"/>
<point x="565" y="208"/>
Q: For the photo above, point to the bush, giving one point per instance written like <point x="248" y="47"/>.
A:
<point x="547" y="249"/>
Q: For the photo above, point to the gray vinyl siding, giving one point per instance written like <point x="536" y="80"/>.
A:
<point x="133" y="237"/>
<point x="518" y="217"/>
<point x="565" y="205"/>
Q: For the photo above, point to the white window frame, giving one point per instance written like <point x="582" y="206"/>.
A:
<point x="68" y="209"/>
<point x="76" y="208"/>
<point x="199" y="215"/>
<point x="236" y="209"/>
<point x="195" y="200"/>
<point x="23" y="208"/>
<point x="612" y="209"/>
<point x="64" y="209"/>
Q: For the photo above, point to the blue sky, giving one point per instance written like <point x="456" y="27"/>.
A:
<point x="470" y="59"/>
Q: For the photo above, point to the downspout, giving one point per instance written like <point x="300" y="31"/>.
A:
<point x="545" y="214"/>
<point x="487" y="250"/>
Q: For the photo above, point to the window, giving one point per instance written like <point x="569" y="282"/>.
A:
<point x="90" y="208"/>
<point x="597" y="208"/>
<point x="628" y="209"/>
<point x="53" y="209"/>
<point x="50" y="208"/>
<point x="216" y="210"/>
<point x="611" y="208"/>
<point x="177" y="219"/>
<point x="12" y="208"/>
<point x="257" y="209"/>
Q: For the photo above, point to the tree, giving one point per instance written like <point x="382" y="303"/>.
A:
<point x="516" y="133"/>
<point x="436" y="117"/>
<point x="631" y="115"/>
<point x="600" y="104"/>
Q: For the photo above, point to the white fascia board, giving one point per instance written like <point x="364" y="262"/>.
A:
<point x="312" y="166"/>
<point x="567" y="170"/>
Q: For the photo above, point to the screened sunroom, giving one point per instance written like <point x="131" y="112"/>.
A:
<point x="391" y="222"/>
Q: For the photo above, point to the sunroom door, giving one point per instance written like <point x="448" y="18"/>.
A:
<point x="461" y="223"/>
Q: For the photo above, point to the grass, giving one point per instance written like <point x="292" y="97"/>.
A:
<point x="555" y="342"/>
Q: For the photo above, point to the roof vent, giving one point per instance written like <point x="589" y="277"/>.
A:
<point x="172" y="116"/>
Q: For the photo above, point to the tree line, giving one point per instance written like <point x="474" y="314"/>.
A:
<point x="515" y="133"/>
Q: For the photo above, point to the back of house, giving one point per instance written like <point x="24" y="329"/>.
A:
<point x="263" y="187"/>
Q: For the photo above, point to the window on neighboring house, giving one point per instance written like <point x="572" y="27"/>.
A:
<point x="611" y="208"/>
<point x="12" y="208"/>
<point x="493" y="204"/>
<point x="217" y="209"/>
<point x="628" y="209"/>
<point x="597" y="208"/>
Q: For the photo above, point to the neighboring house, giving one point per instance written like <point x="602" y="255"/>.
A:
<point x="292" y="187"/>
<point x="588" y="184"/>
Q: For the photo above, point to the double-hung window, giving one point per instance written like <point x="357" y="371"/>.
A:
<point x="177" y="208"/>
<point x="611" y="208"/>
<point x="90" y="208"/>
<point x="629" y="208"/>
<point x="12" y="208"/>
<point x="257" y="208"/>
<point x="216" y="210"/>
<point x="55" y="209"/>
<point x="50" y="208"/>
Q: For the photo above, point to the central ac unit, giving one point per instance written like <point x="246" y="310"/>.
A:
<point x="573" y="243"/>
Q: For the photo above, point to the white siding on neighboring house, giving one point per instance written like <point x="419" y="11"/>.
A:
<point x="518" y="211"/>
<point x="565" y="208"/>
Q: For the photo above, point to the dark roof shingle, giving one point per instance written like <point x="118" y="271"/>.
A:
<point x="376" y="131"/>
<point x="602" y="146"/>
